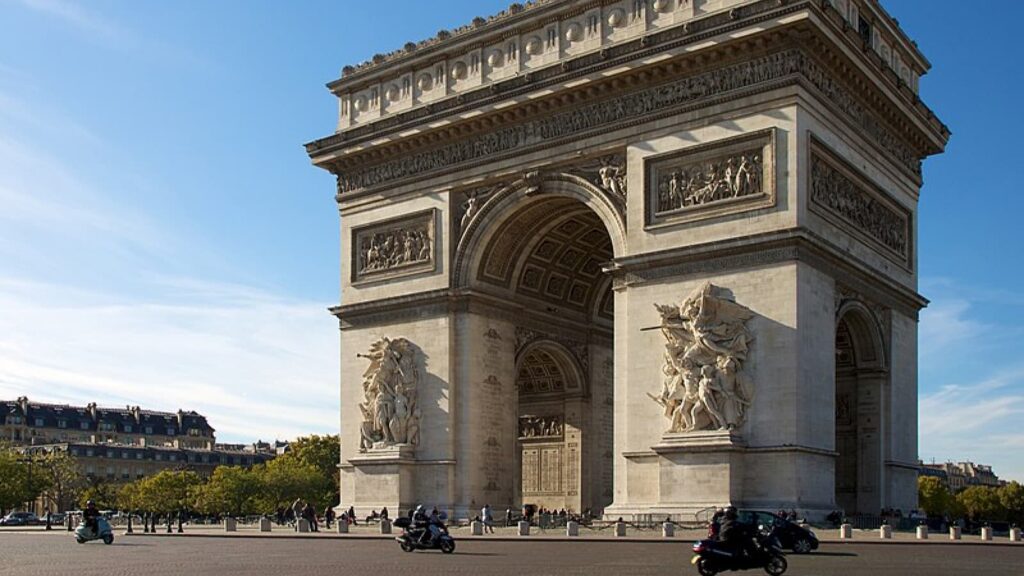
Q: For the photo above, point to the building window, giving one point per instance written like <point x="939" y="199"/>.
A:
<point x="128" y="428"/>
<point x="110" y="453"/>
<point x="106" y="426"/>
<point x="170" y="431"/>
<point x="864" y="29"/>
<point x="149" y="429"/>
<point x="124" y="455"/>
<point x="138" y="455"/>
<point x="173" y="457"/>
<point x="89" y="452"/>
<point x="62" y="423"/>
<point x="84" y="425"/>
<point x="158" y="457"/>
<point x="39" y="422"/>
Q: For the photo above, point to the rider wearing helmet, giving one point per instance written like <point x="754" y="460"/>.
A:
<point x="90" y="514"/>
<point x="735" y="534"/>
<point x="421" y="522"/>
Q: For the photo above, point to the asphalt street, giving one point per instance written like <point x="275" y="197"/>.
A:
<point x="58" y="554"/>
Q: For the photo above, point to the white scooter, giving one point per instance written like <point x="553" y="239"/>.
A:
<point x="103" y="532"/>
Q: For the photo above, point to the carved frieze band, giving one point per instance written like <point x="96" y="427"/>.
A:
<point x="731" y="175"/>
<point x="393" y="248"/>
<point x="839" y="193"/>
<point x="635" y="107"/>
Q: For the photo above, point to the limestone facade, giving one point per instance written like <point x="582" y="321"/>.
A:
<point x="525" y="201"/>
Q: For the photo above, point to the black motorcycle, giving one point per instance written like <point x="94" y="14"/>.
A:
<point x="712" y="557"/>
<point x="419" y="538"/>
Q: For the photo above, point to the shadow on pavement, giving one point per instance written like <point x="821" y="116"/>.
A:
<point x="833" y="554"/>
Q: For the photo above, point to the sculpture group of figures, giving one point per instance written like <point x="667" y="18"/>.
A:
<point x="390" y="414"/>
<point x="710" y="181"/>
<point x="540" y="426"/>
<point x="706" y="345"/>
<point x="386" y="250"/>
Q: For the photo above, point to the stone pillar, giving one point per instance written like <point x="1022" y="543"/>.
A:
<point x="846" y="532"/>
<point x="265" y="525"/>
<point x="922" y="532"/>
<point x="668" y="530"/>
<point x="572" y="528"/>
<point x="524" y="528"/>
<point x="620" y="529"/>
<point x="986" y="533"/>
<point x="342" y="527"/>
<point x="230" y="525"/>
<point x="885" y="532"/>
<point x="954" y="532"/>
<point x="477" y="528"/>
<point x="1014" y="534"/>
<point x="303" y="525"/>
<point x="385" y="526"/>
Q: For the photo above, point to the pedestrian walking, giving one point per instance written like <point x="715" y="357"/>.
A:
<point x="329" y="517"/>
<point x="352" y="515"/>
<point x="297" y="509"/>
<point x="488" y="518"/>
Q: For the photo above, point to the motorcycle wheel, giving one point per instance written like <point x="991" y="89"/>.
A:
<point x="802" y="546"/>
<point x="80" y="540"/>
<point x="407" y="545"/>
<point x="108" y="539"/>
<point x="776" y="566"/>
<point x="706" y="567"/>
<point x="447" y="545"/>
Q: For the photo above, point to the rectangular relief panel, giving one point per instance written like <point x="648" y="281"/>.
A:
<point x="394" y="248"/>
<point x="711" y="180"/>
<point x="842" y="195"/>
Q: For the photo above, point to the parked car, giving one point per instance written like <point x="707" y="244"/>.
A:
<point x="791" y="536"/>
<point x="20" y="519"/>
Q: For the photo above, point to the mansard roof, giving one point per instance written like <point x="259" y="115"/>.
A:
<point x="92" y="415"/>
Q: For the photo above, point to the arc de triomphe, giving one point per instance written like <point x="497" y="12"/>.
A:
<point x="635" y="256"/>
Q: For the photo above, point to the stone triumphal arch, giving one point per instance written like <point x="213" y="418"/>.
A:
<point x="634" y="256"/>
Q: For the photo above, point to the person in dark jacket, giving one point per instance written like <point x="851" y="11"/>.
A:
<point x="89" y="516"/>
<point x="735" y="535"/>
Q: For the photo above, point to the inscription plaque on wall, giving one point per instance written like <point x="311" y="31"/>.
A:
<point x="393" y="248"/>
<point x="842" y="195"/>
<point x="709" y="180"/>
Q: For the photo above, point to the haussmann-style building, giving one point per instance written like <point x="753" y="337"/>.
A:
<point x="641" y="257"/>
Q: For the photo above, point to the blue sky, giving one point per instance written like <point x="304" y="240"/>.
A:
<point x="164" y="240"/>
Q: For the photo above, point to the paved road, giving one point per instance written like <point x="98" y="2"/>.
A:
<point x="58" y="554"/>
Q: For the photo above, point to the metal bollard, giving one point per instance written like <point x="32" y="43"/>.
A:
<point x="477" y="528"/>
<point x="342" y="527"/>
<point x="668" y="530"/>
<point x="986" y="533"/>
<point x="129" y="530"/>
<point x="922" y="532"/>
<point x="846" y="532"/>
<point x="954" y="532"/>
<point x="264" y="524"/>
<point x="49" y="522"/>
<point x="385" y="526"/>
<point x="169" y="523"/>
<point x="230" y="524"/>
<point x="180" y="529"/>
<point x="69" y="519"/>
<point x="1014" y="534"/>
<point x="885" y="532"/>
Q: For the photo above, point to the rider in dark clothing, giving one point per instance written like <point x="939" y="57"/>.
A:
<point x="89" y="516"/>
<point x="735" y="535"/>
<point x="421" y="521"/>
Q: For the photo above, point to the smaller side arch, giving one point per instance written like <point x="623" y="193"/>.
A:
<point x="865" y="330"/>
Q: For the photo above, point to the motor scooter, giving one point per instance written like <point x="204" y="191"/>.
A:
<point x="418" y="537"/>
<point x="103" y="532"/>
<point x="712" y="557"/>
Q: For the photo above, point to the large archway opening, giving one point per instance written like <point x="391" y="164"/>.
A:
<point x="859" y="426"/>
<point x="544" y="256"/>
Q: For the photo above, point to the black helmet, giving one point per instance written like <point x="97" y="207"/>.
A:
<point x="90" y="503"/>
<point x="730" y="512"/>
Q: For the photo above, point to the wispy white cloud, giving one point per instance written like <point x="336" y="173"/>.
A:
<point x="75" y="14"/>
<point x="972" y="393"/>
<point x="258" y="364"/>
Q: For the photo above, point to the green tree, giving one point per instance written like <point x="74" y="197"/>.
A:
<point x="231" y="489"/>
<point x="21" y="479"/>
<point x="167" y="491"/>
<point x="324" y="454"/>
<point x="64" y="478"/>
<point x="103" y="493"/>
<point x="981" y="503"/>
<point x="932" y="496"/>
<point x="284" y="479"/>
<point x="1011" y="497"/>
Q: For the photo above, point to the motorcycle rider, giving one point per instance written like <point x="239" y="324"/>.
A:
<point x="735" y="535"/>
<point x="421" y="522"/>
<point x="89" y="516"/>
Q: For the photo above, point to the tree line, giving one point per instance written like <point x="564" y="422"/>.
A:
<point x="309" y="470"/>
<point x="976" y="503"/>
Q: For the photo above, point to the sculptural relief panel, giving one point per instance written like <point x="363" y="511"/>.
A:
<point x="843" y="196"/>
<point x="732" y="175"/>
<point x="706" y="346"/>
<point x="391" y="416"/>
<point x="394" y="248"/>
